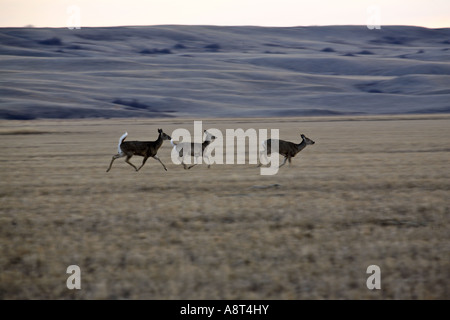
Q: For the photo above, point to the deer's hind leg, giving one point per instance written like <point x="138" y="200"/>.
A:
<point x="114" y="157"/>
<point x="127" y="160"/>
<point x="143" y="162"/>
<point x="284" y="162"/>
<point x="181" y="158"/>
<point x="264" y="154"/>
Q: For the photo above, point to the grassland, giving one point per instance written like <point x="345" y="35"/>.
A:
<point x="372" y="190"/>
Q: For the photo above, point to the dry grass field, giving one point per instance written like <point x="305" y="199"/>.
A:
<point x="371" y="191"/>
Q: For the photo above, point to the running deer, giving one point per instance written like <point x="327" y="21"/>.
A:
<point x="193" y="149"/>
<point x="285" y="148"/>
<point x="144" y="149"/>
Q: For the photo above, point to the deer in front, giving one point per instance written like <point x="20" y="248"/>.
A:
<point x="144" y="149"/>
<point x="285" y="148"/>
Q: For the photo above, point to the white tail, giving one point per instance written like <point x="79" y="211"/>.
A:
<point x="120" y="142"/>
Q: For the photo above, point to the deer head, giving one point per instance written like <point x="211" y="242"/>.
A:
<point x="306" y="139"/>
<point x="209" y="136"/>
<point x="163" y="135"/>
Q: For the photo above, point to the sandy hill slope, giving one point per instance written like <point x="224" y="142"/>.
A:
<point x="210" y="71"/>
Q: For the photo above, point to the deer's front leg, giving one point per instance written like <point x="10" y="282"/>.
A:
<point x="157" y="158"/>
<point x="284" y="162"/>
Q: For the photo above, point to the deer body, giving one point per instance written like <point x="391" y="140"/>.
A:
<point x="144" y="149"/>
<point x="286" y="148"/>
<point x="193" y="149"/>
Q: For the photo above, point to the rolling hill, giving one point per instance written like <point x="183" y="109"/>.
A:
<point x="212" y="71"/>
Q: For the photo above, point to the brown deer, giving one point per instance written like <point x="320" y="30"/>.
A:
<point x="193" y="149"/>
<point x="285" y="148"/>
<point x="144" y="149"/>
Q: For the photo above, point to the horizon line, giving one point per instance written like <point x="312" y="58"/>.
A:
<point x="217" y="25"/>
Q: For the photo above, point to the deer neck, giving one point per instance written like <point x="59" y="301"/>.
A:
<point x="301" y="145"/>
<point x="205" y="144"/>
<point x="159" y="141"/>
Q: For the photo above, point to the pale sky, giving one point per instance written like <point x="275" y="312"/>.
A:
<point x="283" y="13"/>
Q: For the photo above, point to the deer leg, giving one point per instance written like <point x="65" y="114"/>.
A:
<point x="289" y="160"/>
<point x="127" y="160"/>
<point x="157" y="158"/>
<point x="143" y="162"/>
<point x="209" y="161"/>
<point x="180" y="154"/>
<point x="195" y="162"/>
<point x="114" y="157"/>
<point x="193" y="165"/>
<point x="260" y="163"/>
<point x="284" y="162"/>
<point x="263" y="153"/>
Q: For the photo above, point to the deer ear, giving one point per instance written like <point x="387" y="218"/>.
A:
<point x="302" y="135"/>
<point x="159" y="130"/>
